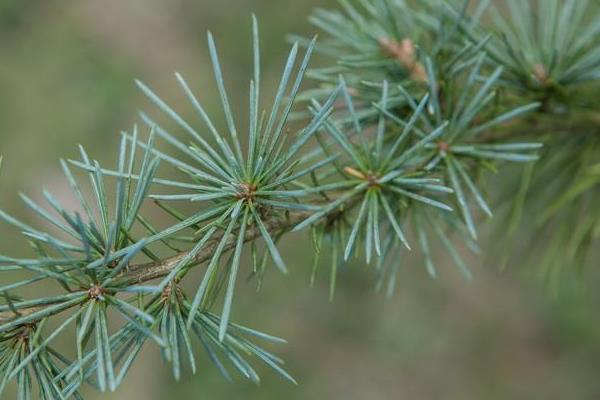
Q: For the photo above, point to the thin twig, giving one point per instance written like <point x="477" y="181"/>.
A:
<point x="140" y="273"/>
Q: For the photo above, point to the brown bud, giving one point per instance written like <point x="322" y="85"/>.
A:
<point x="405" y="53"/>
<point x="95" y="292"/>
<point x="355" y="173"/>
<point x="443" y="146"/>
<point x="540" y="73"/>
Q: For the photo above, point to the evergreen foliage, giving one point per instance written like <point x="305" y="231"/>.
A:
<point x="418" y="104"/>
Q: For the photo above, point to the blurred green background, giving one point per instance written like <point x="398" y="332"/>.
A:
<point x="66" y="77"/>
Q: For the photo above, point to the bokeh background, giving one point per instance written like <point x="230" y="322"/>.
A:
<point x="66" y="77"/>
